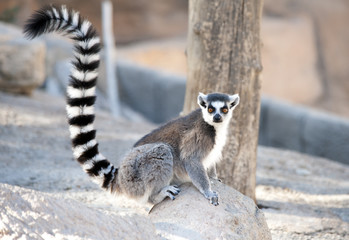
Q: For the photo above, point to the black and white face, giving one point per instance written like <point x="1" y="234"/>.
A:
<point x="217" y="108"/>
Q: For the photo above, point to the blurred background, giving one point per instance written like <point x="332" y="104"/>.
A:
<point x="305" y="43"/>
<point x="304" y="107"/>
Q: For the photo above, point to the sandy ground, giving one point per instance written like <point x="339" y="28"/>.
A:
<point x="302" y="197"/>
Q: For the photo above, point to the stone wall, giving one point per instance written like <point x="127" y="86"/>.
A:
<point x="289" y="126"/>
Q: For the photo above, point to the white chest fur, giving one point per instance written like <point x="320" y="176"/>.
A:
<point x="216" y="153"/>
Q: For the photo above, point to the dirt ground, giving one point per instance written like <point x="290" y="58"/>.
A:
<point x="302" y="197"/>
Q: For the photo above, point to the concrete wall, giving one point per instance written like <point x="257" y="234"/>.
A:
<point x="288" y="126"/>
<point x="160" y="97"/>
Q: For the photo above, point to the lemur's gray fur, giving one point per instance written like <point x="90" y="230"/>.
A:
<point x="183" y="150"/>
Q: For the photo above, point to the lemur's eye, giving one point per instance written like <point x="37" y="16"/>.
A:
<point x="210" y="110"/>
<point x="224" y="110"/>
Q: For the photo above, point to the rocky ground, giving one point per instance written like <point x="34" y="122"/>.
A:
<point x="302" y="197"/>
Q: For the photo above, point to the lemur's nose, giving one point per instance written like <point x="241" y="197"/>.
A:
<point x="217" y="118"/>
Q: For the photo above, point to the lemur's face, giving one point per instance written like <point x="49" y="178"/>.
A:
<point x="217" y="108"/>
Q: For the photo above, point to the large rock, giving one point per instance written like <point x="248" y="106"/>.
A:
<point x="39" y="215"/>
<point x="22" y="62"/>
<point x="191" y="216"/>
<point x="30" y="214"/>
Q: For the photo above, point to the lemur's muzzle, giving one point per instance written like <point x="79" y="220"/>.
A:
<point x="217" y="118"/>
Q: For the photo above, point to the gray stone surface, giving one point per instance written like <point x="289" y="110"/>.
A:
<point x="29" y="214"/>
<point x="22" y="62"/>
<point x="303" y="197"/>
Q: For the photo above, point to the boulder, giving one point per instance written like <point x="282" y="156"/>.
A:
<point x="22" y="62"/>
<point x="30" y="214"/>
<point x="37" y="215"/>
<point x="191" y="216"/>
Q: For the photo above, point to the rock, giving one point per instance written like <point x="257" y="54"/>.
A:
<point x="22" y="62"/>
<point x="30" y="214"/>
<point x="191" y="216"/>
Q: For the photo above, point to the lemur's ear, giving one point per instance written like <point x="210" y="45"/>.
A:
<point x="202" y="100"/>
<point x="233" y="101"/>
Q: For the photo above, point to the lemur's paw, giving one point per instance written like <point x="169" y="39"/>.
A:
<point x="170" y="195"/>
<point x="213" y="197"/>
<point x="173" y="190"/>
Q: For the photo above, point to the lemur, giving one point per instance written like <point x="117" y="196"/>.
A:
<point x="183" y="150"/>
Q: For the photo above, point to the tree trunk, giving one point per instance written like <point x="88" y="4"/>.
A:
<point x="223" y="55"/>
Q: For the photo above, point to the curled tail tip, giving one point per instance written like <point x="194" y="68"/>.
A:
<point x="44" y="20"/>
<point x="37" y="23"/>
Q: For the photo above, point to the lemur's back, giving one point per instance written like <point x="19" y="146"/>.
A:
<point x="175" y="132"/>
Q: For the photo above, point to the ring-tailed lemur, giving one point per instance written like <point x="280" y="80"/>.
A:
<point x="183" y="150"/>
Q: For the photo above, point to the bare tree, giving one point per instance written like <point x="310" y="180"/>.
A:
<point x="223" y="55"/>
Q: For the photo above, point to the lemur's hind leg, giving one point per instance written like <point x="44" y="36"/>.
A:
<point x="160" y="173"/>
<point x="147" y="171"/>
<point x="168" y="191"/>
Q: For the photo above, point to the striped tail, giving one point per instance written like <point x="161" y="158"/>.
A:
<point x="82" y="85"/>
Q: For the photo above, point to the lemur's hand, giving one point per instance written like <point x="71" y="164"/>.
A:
<point x="212" y="196"/>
